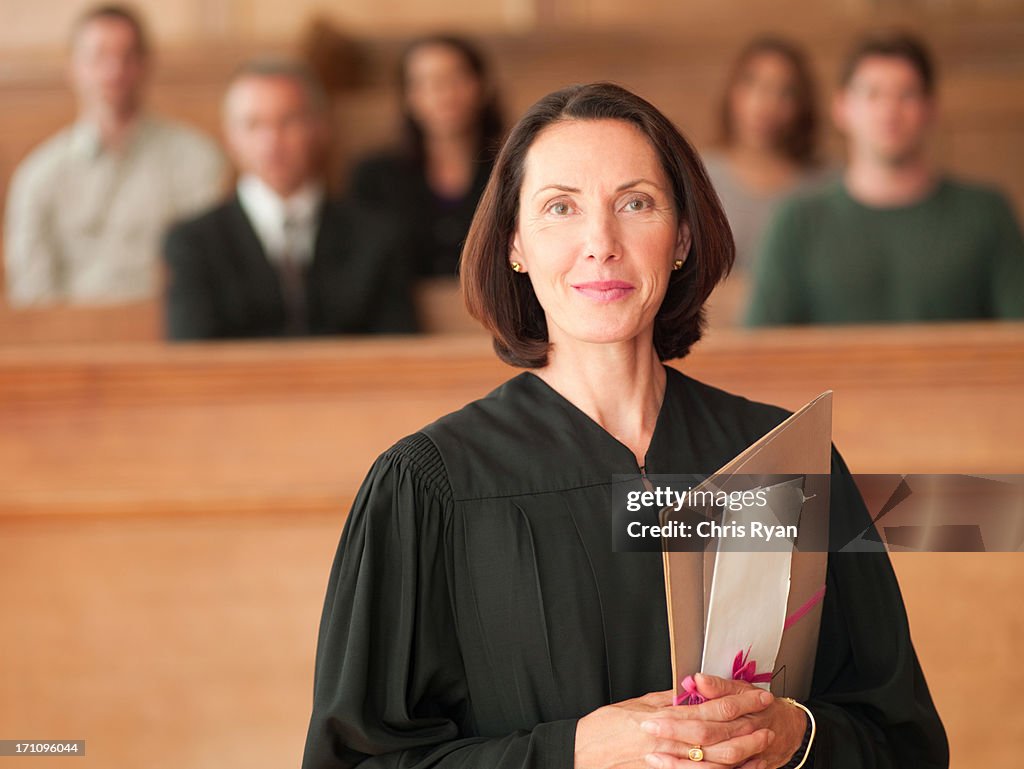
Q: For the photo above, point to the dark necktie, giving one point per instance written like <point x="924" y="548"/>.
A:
<point x="293" y="282"/>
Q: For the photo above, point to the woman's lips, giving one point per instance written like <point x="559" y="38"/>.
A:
<point x="605" y="290"/>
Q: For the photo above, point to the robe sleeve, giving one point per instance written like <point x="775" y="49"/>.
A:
<point x="869" y="695"/>
<point x="390" y="688"/>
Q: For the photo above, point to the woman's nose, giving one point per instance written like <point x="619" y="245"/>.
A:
<point x="602" y="239"/>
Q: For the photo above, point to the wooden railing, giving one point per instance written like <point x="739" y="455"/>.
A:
<point x="143" y="427"/>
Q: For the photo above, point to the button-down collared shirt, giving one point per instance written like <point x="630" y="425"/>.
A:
<point x="286" y="227"/>
<point x="84" y="223"/>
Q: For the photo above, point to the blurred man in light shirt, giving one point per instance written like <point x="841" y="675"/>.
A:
<point x="88" y="208"/>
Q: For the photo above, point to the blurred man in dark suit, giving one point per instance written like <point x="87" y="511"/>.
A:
<point x="280" y="258"/>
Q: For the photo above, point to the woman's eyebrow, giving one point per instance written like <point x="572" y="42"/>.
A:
<point x="620" y="188"/>
<point x="637" y="182"/>
<point x="561" y="187"/>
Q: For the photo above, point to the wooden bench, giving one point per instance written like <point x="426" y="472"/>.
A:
<point x="169" y="514"/>
<point x="438" y="300"/>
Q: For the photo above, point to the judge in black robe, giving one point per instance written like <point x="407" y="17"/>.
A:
<point x="476" y="610"/>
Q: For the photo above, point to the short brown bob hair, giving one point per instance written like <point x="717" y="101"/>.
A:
<point x="504" y="301"/>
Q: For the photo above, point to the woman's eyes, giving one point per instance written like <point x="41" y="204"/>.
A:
<point x="633" y="205"/>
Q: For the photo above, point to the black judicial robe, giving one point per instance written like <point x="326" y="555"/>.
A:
<point x="475" y="609"/>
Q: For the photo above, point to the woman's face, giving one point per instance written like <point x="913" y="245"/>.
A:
<point x="443" y="94"/>
<point x="763" y="102"/>
<point x="597" y="231"/>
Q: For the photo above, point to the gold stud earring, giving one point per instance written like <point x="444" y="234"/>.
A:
<point x="677" y="264"/>
<point x="517" y="267"/>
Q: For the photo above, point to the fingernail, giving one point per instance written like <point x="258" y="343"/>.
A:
<point x="762" y="765"/>
<point x="657" y="762"/>
<point x="771" y="736"/>
<point x="766" y="698"/>
<point x="650" y="727"/>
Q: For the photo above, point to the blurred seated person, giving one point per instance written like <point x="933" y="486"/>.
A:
<point x="451" y="127"/>
<point x="280" y="258"/>
<point x="894" y="239"/>
<point x="767" y="144"/>
<point x="86" y="210"/>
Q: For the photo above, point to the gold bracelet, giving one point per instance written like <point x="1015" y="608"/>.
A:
<point x="810" y="715"/>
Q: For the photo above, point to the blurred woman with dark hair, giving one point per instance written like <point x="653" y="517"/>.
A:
<point x="767" y="139"/>
<point x="452" y="128"/>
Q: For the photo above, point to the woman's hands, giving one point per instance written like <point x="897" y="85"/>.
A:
<point x="739" y="726"/>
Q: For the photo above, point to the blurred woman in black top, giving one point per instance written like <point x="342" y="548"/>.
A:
<point x="452" y="128"/>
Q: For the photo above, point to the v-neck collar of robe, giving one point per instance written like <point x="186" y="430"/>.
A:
<point x="627" y="463"/>
<point x="526" y="438"/>
<point x="606" y="449"/>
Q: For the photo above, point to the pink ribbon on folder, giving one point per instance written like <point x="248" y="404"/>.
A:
<point x="744" y="668"/>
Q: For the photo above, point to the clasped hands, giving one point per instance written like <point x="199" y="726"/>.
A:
<point x="740" y="726"/>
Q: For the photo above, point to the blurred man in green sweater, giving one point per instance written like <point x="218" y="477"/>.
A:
<point x="894" y="239"/>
